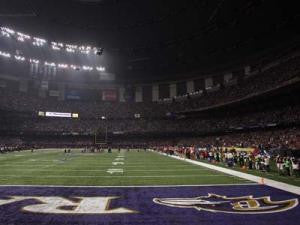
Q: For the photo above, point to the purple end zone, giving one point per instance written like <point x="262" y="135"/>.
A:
<point x="164" y="211"/>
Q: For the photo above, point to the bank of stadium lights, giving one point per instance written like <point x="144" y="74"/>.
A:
<point x="20" y="58"/>
<point x="22" y="37"/>
<point x="63" y="66"/>
<point x="74" y="67"/>
<point x="34" y="61"/>
<point x="57" y="46"/>
<point x="70" y="50"/>
<point x="52" y="64"/>
<point x="100" y="68"/>
<point x="7" y="30"/>
<point x="39" y="42"/>
<point x="85" y="49"/>
<point x="87" y="68"/>
<point x="5" y="54"/>
<point x="5" y="34"/>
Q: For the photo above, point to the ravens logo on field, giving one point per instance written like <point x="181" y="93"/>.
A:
<point x="239" y="205"/>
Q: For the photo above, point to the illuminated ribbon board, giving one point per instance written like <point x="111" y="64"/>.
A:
<point x="58" y="114"/>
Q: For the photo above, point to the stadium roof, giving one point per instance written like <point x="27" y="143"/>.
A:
<point x="158" y="39"/>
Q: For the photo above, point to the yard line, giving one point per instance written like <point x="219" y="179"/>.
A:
<point x="150" y="176"/>
<point x="130" y="186"/>
<point x="103" y="166"/>
<point x="29" y="165"/>
<point x="78" y="170"/>
<point x="108" y="163"/>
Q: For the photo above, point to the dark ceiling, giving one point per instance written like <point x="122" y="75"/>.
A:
<point x="159" y="39"/>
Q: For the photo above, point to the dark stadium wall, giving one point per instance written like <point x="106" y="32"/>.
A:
<point x="147" y="93"/>
<point x="164" y="91"/>
<point x="199" y="84"/>
<point x="181" y="88"/>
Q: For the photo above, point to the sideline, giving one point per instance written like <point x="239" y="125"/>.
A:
<point x="112" y="176"/>
<point x="129" y="186"/>
<point x="272" y="183"/>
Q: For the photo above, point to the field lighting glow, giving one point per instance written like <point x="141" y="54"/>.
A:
<point x="5" y="54"/>
<point x="53" y="64"/>
<point x="40" y="42"/>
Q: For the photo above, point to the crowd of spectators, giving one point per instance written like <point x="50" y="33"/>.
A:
<point x="204" y="124"/>
<point x="252" y="150"/>
<point x="273" y="141"/>
<point x="266" y="79"/>
<point x="288" y="165"/>
<point x="260" y="82"/>
<point x="288" y="138"/>
<point x="8" y="144"/>
<point x="18" y="114"/>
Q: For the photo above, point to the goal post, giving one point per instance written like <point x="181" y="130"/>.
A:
<point x="101" y="138"/>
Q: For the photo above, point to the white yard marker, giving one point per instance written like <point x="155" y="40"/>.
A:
<point x="116" y="170"/>
<point x="112" y="171"/>
<point x="117" y="163"/>
<point x="119" y="159"/>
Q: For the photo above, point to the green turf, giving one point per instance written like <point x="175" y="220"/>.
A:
<point x="53" y="167"/>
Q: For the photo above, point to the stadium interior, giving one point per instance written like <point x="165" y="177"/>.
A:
<point x="149" y="112"/>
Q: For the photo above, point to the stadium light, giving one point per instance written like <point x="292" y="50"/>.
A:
<point x="70" y="50"/>
<point x="7" y="30"/>
<point x="74" y="67"/>
<point x="39" y="42"/>
<point x="24" y="36"/>
<point x="98" y="51"/>
<point x="5" y="34"/>
<point x="19" y="58"/>
<point x="52" y="64"/>
<point x="63" y="66"/>
<point x="34" y="61"/>
<point x="100" y="68"/>
<point x="85" y="52"/>
<point x="87" y="68"/>
<point x="21" y="39"/>
<point x="54" y="47"/>
<point x="5" y="54"/>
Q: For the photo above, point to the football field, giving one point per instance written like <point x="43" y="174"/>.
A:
<point x="54" y="167"/>
<point x="135" y="187"/>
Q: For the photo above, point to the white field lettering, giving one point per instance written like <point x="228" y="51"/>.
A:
<point x="120" y="157"/>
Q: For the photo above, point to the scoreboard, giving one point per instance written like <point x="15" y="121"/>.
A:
<point x="58" y="114"/>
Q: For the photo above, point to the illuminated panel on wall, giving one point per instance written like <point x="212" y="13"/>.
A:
<point x="58" y="114"/>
